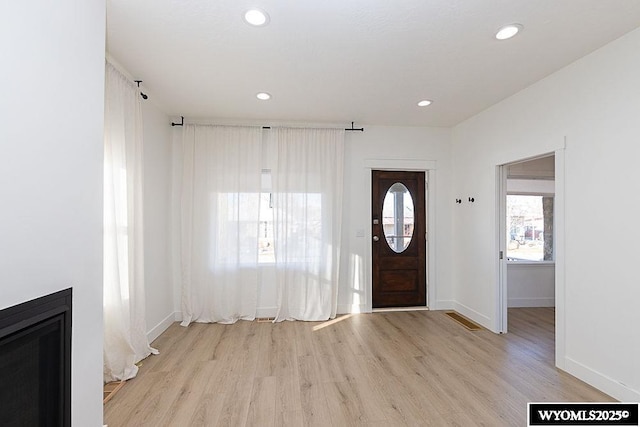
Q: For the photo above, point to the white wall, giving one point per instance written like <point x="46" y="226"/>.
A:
<point x="51" y="148"/>
<point x="594" y="103"/>
<point x="157" y="219"/>
<point x="531" y="284"/>
<point x="531" y="186"/>
<point x="392" y="143"/>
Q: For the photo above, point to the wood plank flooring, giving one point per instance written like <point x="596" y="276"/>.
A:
<point x="383" y="369"/>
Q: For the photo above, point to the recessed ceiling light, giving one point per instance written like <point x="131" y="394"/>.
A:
<point x="256" y="17"/>
<point x="424" y="103"/>
<point x="508" y="31"/>
<point x="263" y="96"/>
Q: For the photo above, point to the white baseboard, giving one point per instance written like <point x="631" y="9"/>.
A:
<point x="531" y="302"/>
<point x="602" y="382"/>
<point x="157" y="330"/>
<point x="443" y="305"/>
<point x="473" y="315"/>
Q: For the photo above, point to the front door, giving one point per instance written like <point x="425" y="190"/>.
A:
<point x="399" y="245"/>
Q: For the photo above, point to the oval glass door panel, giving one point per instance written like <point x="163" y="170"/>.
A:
<point x="397" y="217"/>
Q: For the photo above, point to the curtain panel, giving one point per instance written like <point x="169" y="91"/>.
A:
<point x="220" y="196"/>
<point x="307" y="194"/>
<point x="220" y="174"/>
<point x="125" y="339"/>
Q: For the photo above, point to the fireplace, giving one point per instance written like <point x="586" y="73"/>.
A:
<point x="35" y="362"/>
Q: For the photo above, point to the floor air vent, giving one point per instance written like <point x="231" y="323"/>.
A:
<point x="463" y="321"/>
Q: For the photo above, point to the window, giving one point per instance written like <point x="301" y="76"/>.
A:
<point x="266" y="254"/>
<point x="304" y="224"/>
<point x="529" y="228"/>
<point x="300" y="227"/>
<point x="397" y="217"/>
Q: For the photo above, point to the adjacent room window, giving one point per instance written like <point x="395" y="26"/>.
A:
<point x="529" y="227"/>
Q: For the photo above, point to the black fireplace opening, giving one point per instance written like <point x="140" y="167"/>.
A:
<point x="35" y="362"/>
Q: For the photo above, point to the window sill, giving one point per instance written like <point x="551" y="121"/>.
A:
<point x="548" y="263"/>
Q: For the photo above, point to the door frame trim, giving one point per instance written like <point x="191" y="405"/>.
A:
<point x="559" y="243"/>
<point x="501" y="243"/>
<point x="429" y="168"/>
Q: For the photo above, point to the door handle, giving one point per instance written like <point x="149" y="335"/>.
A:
<point x="376" y="238"/>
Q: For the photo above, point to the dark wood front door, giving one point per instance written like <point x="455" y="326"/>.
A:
<point x="399" y="246"/>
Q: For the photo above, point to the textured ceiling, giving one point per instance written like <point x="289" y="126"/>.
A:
<point x="337" y="61"/>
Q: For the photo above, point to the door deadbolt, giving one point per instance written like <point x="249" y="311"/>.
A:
<point x="376" y="238"/>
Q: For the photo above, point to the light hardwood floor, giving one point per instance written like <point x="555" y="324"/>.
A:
<point x="384" y="369"/>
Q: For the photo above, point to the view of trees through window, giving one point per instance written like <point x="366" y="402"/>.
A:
<point x="529" y="228"/>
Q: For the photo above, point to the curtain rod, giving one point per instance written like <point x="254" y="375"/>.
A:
<point x="269" y="127"/>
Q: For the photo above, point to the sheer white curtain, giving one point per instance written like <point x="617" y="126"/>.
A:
<point x="220" y="197"/>
<point x="125" y="339"/>
<point x="307" y="199"/>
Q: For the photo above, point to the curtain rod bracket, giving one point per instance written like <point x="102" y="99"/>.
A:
<point x="142" y="94"/>
<point x="179" y="124"/>
<point x="355" y="129"/>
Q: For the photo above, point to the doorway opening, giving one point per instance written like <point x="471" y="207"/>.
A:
<point x="528" y="243"/>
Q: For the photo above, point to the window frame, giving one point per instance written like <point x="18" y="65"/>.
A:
<point x="530" y="262"/>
